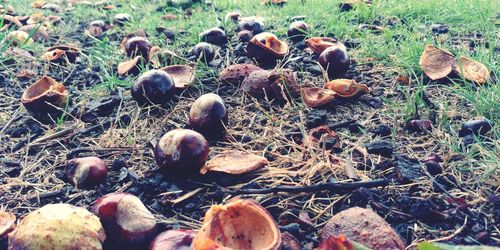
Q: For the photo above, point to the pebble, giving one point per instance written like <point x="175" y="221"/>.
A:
<point x="439" y="28"/>
<point x="382" y="130"/>
<point x="380" y="147"/>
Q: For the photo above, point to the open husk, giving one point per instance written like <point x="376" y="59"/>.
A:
<point x="235" y="74"/>
<point x="347" y="88"/>
<point x="472" y="70"/>
<point x="316" y="97"/>
<point x="436" y="63"/>
<point x="319" y="44"/>
<point x="234" y="162"/>
<point x="183" y="75"/>
<point x="266" y="48"/>
<point x="61" y="54"/>
<point x="241" y="224"/>
<point x="130" y="67"/>
<point x="45" y="95"/>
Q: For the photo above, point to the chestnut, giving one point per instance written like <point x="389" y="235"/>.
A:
<point x="138" y="46"/>
<point x="253" y="24"/>
<point x="125" y="219"/>
<point x="86" y="171"/>
<point x="297" y="31"/>
<point x="181" y="152"/>
<point x="122" y="18"/>
<point x="203" y="51"/>
<point x="214" y="36"/>
<point x="477" y="127"/>
<point x="335" y="61"/>
<point x="245" y="36"/>
<point x="208" y="115"/>
<point x="154" y="86"/>
<point x="45" y="96"/>
<point x="419" y="125"/>
<point x="179" y="239"/>
<point x="233" y="16"/>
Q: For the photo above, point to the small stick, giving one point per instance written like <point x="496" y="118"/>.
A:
<point x="331" y="187"/>
<point x="340" y="124"/>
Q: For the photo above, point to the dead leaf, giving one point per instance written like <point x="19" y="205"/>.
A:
<point x="234" y="162"/>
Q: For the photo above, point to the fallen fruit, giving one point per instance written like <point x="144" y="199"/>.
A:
<point x="245" y="36"/>
<point x="18" y="37"/>
<point x="208" y="115"/>
<point x="297" y="31"/>
<point x="335" y="61"/>
<point x="233" y="16"/>
<point x="316" y="97"/>
<point x="319" y="44"/>
<point x="86" y="171"/>
<point x="472" y="70"/>
<point x="181" y="152"/>
<point x="215" y="36"/>
<point x="279" y="83"/>
<point x="363" y="226"/>
<point x="266" y="48"/>
<point x="45" y="96"/>
<point x="183" y="75"/>
<point x="179" y="239"/>
<point x="7" y="223"/>
<point x="253" y="24"/>
<point x="125" y="218"/>
<point x="61" y="54"/>
<point x="419" y="125"/>
<point x="138" y="46"/>
<point x="436" y="63"/>
<point x="203" y="51"/>
<point x="475" y="127"/>
<point x="347" y="88"/>
<point x="235" y="74"/>
<point x="58" y="226"/>
<point x="154" y="86"/>
<point x="234" y="162"/>
<point x="122" y="19"/>
<point x="240" y="224"/>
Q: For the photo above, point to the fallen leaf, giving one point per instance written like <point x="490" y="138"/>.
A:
<point x="234" y="162"/>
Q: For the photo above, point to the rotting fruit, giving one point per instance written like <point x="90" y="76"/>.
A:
<point x="181" y="152"/>
<point x="363" y="226"/>
<point x="126" y="219"/>
<point x="335" y="61"/>
<point x="154" y="86"/>
<point x="239" y="224"/>
<point x="174" y="239"/>
<point x="86" y="171"/>
<point x="45" y="96"/>
<point x="58" y="226"/>
<point x="208" y="115"/>
<point x="235" y="74"/>
<point x="266" y="48"/>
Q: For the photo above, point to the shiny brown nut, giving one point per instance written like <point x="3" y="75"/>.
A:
<point x="235" y="74"/>
<point x="240" y="224"/>
<point x="245" y="36"/>
<point x="266" y="48"/>
<point x="45" y="96"/>
<point x="203" y="51"/>
<point x="138" y="46"/>
<point x="181" y="152"/>
<point x="153" y="87"/>
<point x="215" y="36"/>
<point x="179" y="239"/>
<point x="122" y="19"/>
<point x="253" y="24"/>
<point x="58" y="226"/>
<point x="363" y="226"/>
<point x="86" y="171"/>
<point x="233" y="16"/>
<point x="335" y="61"/>
<point x="208" y="115"/>
<point x="297" y="31"/>
<point x="319" y="44"/>
<point x="61" y="54"/>
<point x="126" y="220"/>
<point x="347" y="88"/>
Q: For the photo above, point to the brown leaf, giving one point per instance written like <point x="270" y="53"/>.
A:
<point x="436" y="63"/>
<point x="234" y="162"/>
<point x="472" y="70"/>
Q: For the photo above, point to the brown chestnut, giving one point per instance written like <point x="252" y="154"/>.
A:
<point x="138" y="46"/>
<point x="181" y="152"/>
<point x="253" y="24"/>
<point x="297" y="31"/>
<point x="45" y="96"/>
<point x="233" y="16"/>
<point x="335" y="61"/>
<point x="154" y="86"/>
<point x="122" y="18"/>
<point x="208" y="115"/>
<point x="215" y="36"/>
<point x="86" y="171"/>
<point x="179" y="239"/>
<point x="125" y="219"/>
<point x="419" y="125"/>
<point x="203" y="51"/>
<point x="245" y="36"/>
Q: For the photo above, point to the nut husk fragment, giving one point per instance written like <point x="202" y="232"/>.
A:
<point x="61" y="54"/>
<point x="266" y="48"/>
<point x="319" y="44"/>
<point x="183" y="75"/>
<point x="316" y="97"/>
<point x="234" y="162"/>
<point x="130" y="67"/>
<point x="347" y="88"/>
<point x="436" y="63"/>
<point x="45" y="96"/>
<point x="235" y="74"/>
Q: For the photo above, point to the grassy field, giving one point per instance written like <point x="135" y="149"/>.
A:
<point x="473" y="32"/>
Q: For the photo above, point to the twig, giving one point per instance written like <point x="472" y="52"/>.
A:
<point x="331" y="187"/>
<point x="77" y="151"/>
<point x="341" y="124"/>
